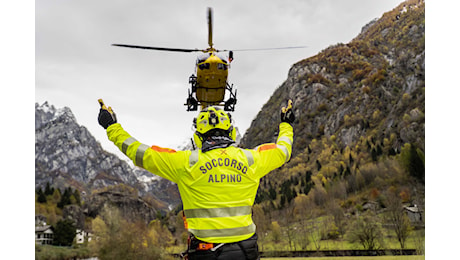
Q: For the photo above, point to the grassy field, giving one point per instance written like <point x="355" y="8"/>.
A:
<point x="416" y="240"/>
<point x="408" y="257"/>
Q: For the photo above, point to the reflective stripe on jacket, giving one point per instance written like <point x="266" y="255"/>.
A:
<point x="218" y="187"/>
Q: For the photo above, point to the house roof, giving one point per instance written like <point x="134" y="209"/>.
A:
<point x="43" y="228"/>
<point x="414" y="209"/>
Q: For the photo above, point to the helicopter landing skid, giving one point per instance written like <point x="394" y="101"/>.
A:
<point x="192" y="103"/>
<point x="230" y="103"/>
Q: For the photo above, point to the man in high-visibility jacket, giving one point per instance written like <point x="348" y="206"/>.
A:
<point x="217" y="182"/>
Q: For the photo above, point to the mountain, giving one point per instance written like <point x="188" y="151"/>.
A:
<point x="67" y="155"/>
<point x="350" y="90"/>
<point x="359" y="107"/>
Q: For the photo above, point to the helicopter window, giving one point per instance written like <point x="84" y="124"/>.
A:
<point x="223" y="58"/>
<point x="202" y="58"/>
<point x="222" y="66"/>
<point x="204" y="66"/>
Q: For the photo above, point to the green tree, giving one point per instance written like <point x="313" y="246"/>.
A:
<point x="288" y="218"/>
<point x="315" y="231"/>
<point x="395" y="215"/>
<point x="77" y="197"/>
<point x="303" y="211"/>
<point x="339" y="217"/>
<point x="413" y="160"/>
<point x="65" y="198"/>
<point x="282" y="201"/>
<point x="272" y="193"/>
<point x="262" y="223"/>
<point x="374" y="154"/>
<point x="308" y="175"/>
<point x="158" y="234"/>
<point x="260" y="196"/>
<point x="350" y="159"/>
<point x="64" y="232"/>
<point x="318" y="165"/>
<point x="49" y="190"/>
<point x="69" y="197"/>
<point x="41" y="196"/>
<point x="367" y="231"/>
<point x="56" y="197"/>
<point x="276" y="232"/>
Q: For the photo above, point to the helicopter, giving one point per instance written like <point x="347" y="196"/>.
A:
<point x="209" y="85"/>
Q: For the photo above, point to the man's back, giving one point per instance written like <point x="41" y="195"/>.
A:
<point x="218" y="182"/>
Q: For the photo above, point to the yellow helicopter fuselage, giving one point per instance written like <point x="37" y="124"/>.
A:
<point x="209" y="86"/>
<point x="212" y="74"/>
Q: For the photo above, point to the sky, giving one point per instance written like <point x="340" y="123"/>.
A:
<point x="75" y="63"/>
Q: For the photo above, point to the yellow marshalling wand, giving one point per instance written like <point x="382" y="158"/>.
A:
<point x="289" y="106"/>
<point x="101" y="102"/>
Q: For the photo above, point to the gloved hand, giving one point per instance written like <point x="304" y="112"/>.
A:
<point x="106" y="116"/>
<point x="287" y="115"/>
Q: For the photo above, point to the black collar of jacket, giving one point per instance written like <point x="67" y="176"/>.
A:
<point x="214" y="142"/>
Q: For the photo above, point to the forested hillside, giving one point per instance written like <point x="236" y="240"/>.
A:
<point x="359" y="137"/>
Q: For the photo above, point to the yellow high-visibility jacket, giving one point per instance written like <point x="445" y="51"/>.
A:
<point x="218" y="187"/>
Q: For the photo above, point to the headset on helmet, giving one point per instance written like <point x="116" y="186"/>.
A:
<point x="212" y="121"/>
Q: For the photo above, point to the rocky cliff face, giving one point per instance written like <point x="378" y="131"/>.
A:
<point x="372" y="86"/>
<point x="66" y="154"/>
<point x="360" y="123"/>
<point x="132" y="208"/>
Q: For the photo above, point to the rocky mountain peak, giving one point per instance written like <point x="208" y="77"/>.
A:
<point x="46" y="113"/>
<point x="362" y="88"/>
<point x="67" y="155"/>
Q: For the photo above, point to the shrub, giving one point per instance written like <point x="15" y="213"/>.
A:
<point x="322" y="107"/>
<point x="117" y="238"/>
<point x="367" y="231"/>
<point x="318" y="78"/>
<point x="366" y="90"/>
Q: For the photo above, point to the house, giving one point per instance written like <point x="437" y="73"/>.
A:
<point x="81" y="236"/>
<point x="414" y="213"/>
<point x="44" y="235"/>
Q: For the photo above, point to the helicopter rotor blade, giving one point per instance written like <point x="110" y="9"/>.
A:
<point x="157" y="48"/>
<point x="210" y="27"/>
<point x="268" y="49"/>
